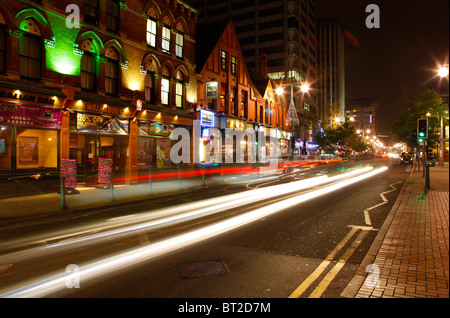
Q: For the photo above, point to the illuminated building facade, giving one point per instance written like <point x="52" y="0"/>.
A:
<point x="112" y="87"/>
<point x="238" y="97"/>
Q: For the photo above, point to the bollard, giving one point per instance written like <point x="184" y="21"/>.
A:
<point x="62" y="204"/>
<point x="179" y="179"/>
<point x="203" y="176"/>
<point x="427" y="176"/>
<point x="111" y="189"/>
<point x="149" y="184"/>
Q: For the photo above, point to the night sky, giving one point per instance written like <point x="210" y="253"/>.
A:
<point x="395" y="62"/>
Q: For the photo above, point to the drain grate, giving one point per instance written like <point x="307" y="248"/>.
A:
<point x="205" y="268"/>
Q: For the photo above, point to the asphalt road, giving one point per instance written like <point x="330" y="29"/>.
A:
<point x="310" y="249"/>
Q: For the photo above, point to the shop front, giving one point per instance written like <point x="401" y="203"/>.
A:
<point x="29" y="135"/>
<point x="94" y="138"/>
<point x="154" y="144"/>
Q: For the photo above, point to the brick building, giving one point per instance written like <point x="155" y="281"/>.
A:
<point x="112" y="87"/>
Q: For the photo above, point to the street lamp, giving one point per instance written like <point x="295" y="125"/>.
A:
<point x="442" y="72"/>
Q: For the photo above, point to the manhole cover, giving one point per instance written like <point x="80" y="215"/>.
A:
<point x="206" y="268"/>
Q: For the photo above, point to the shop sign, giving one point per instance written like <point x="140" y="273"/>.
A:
<point x="30" y="115"/>
<point x="97" y="123"/>
<point x="212" y="91"/>
<point x="235" y="123"/>
<point x="104" y="108"/>
<point x="27" y="97"/>
<point x="69" y="172"/>
<point x="104" y="170"/>
<point x="148" y="129"/>
<point x="206" y="118"/>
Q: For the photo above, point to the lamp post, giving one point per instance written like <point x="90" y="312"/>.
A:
<point x="292" y="116"/>
<point x="442" y="72"/>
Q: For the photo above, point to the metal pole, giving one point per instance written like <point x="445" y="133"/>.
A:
<point x="441" y="143"/>
<point x="427" y="178"/>
<point x="149" y="184"/>
<point x="62" y="204"/>
<point x="111" y="189"/>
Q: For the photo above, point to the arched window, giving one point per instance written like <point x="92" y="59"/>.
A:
<point x="30" y="50"/>
<point x="165" y="91"/>
<point x="149" y="90"/>
<point x="111" y="71"/>
<point x="88" y="65"/>
<point x="2" y="48"/>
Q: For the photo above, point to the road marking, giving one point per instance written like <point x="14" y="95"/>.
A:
<point x="366" y="211"/>
<point x="319" y="270"/>
<point x="320" y="289"/>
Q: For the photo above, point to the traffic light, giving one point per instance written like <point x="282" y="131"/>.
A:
<point x="422" y="128"/>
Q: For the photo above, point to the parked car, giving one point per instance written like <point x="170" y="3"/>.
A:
<point x="406" y="158"/>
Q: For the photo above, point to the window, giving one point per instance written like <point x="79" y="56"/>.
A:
<point x="166" y="39"/>
<point x="179" y="94"/>
<point x="87" y="71"/>
<point x="2" y="49"/>
<point x="233" y="65"/>
<point x="112" y="15"/>
<point x="90" y="11"/>
<point x="223" y="59"/>
<point x="111" y="77"/>
<point x="165" y="91"/>
<point x="30" y="57"/>
<point x="148" y="89"/>
<point x="179" y="44"/>
<point x="151" y="32"/>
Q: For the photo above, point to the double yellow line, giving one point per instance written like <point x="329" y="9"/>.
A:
<point x="323" y="285"/>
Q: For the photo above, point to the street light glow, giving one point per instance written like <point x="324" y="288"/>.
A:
<point x="279" y="91"/>
<point x="443" y="71"/>
<point x="305" y="88"/>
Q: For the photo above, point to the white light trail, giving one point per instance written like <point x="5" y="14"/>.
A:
<point x="173" y="215"/>
<point x="121" y="261"/>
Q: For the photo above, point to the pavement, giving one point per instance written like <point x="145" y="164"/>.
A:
<point x="410" y="255"/>
<point x="408" y="259"/>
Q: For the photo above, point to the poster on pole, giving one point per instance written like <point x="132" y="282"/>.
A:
<point x="104" y="170"/>
<point x="69" y="171"/>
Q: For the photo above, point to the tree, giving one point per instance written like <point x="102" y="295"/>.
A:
<point x="429" y="105"/>
<point x="344" y="135"/>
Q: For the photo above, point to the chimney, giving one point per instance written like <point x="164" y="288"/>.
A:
<point x="263" y="64"/>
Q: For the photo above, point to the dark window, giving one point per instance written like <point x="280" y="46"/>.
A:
<point x="90" y="11"/>
<point x="111" y="77"/>
<point x="112" y="15"/>
<point x="149" y="90"/>
<point x="87" y="71"/>
<point x="30" y="57"/>
<point x="2" y="49"/>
